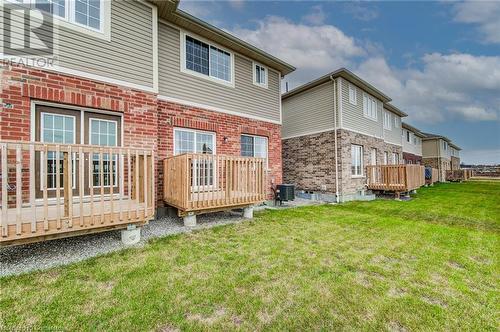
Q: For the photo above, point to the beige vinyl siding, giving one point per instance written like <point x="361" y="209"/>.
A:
<point x="409" y="147"/>
<point x="352" y="115"/>
<point x="393" y="136"/>
<point x="128" y="56"/>
<point x="430" y="148"/>
<point x="245" y="97"/>
<point x="308" y="112"/>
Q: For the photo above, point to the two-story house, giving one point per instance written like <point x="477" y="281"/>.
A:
<point x="128" y="84"/>
<point x="436" y="153"/>
<point x="455" y="156"/>
<point x="332" y="128"/>
<point x="412" y="144"/>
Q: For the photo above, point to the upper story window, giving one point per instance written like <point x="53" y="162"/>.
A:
<point x="87" y="13"/>
<point x="445" y="145"/>
<point x="352" y="94"/>
<point x="396" y="122"/>
<point x="387" y="120"/>
<point x="259" y="75"/>
<point x="408" y="136"/>
<point x="369" y="107"/>
<point x="207" y="60"/>
<point x="415" y="139"/>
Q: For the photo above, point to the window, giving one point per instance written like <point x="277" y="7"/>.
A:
<point x="87" y="13"/>
<point x="369" y="107"/>
<point x="387" y="120"/>
<point x="254" y="146"/>
<point x="396" y="122"/>
<point x="356" y="160"/>
<point x="445" y="145"/>
<point x="57" y="128"/>
<point x="55" y="7"/>
<point x="352" y="94"/>
<point x="207" y="60"/>
<point x="103" y="133"/>
<point x="414" y="139"/>
<point x="408" y="136"/>
<point x="259" y="75"/>
<point x="386" y="157"/>
<point x="395" y="158"/>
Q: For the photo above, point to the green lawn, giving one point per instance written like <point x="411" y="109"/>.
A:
<point x="427" y="264"/>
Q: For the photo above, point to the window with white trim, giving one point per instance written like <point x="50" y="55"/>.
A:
<point x="104" y="133"/>
<point x="352" y="94"/>
<point x="386" y="157"/>
<point x="396" y="121"/>
<point x="445" y="145"/>
<point x="408" y="135"/>
<point x="356" y="160"/>
<point x="260" y="75"/>
<point x="87" y="13"/>
<point x="387" y="120"/>
<point x="57" y="128"/>
<point x="369" y="107"/>
<point x="208" y="60"/>
<point x="254" y="146"/>
<point x="395" y="158"/>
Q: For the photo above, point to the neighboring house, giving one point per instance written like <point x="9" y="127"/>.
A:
<point x="436" y="153"/>
<point x="412" y="144"/>
<point x="143" y="74"/>
<point x="455" y="156"/>
<point x="332" y="128"/>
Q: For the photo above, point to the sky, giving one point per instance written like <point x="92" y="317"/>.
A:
<point x="438" y="61"/>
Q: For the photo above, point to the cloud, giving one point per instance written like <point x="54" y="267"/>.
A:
<point x="316" y="16"/>
<point x="481" y="156"/>
<point x="455" y="86"/>
<point x="485" y="14"/>
<point x="361" y="11"/>
<point x="313" y="49"/>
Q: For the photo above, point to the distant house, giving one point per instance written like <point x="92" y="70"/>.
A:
<point x="332" y="128"/>
<point x="455" y="156"/>
<point x="412" y="144"/>
<point x="436" y="153"/>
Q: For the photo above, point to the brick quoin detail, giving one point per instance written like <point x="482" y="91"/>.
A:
<point x="147" y="121"/>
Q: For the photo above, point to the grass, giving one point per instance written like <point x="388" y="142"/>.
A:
<point x="428" y="264"/>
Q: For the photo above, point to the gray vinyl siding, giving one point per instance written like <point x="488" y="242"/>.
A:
<point x="244" y="98"/>
<point x="128" y="56"/>
<point x="353" y="117"/>
<point x="308" y="112"/>
<point x="393" y="136"/>
<point x="409" y="147"/>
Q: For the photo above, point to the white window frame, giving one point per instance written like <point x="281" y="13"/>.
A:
<point x="395" y="158"/>
<point x="68" y="21"/>
<point x="370" y="102"/>
<point x="185" y="70"/>
<point x="387" y="120"/>
<point x="267" y="146"/>
<point x="361" y="174"/>
<point x="73" y="163"/>
<point x="254" y="73"/>
<point x="386" y="158"/>
<point x="396" y="121"/>
<point x="115" y="179"/>
<point x="353" y="99"/>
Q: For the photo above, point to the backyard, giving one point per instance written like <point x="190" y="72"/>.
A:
<point x="431" y="263"/>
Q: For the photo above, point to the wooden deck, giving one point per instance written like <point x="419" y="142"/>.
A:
<point x="111" y="188"/>
<point x="197" y="183"/>
<point x="395" y="178"/>
<point x="459" y="175"/>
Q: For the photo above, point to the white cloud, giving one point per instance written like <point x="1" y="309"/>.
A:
<point x="475" y="113"/>
<point x="485" y="14"/>
<point x="314" y="50"/>
<point x="316" y="16"/>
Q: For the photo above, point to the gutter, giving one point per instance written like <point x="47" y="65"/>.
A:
<point x="334" y="82"/>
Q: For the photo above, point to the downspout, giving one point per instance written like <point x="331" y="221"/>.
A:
<point x="334" y="82"/>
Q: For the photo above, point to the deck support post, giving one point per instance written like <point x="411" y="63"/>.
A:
<point x="131" y="235"/>
<point x="189" y="220"/>
<point x="248" y="212"/>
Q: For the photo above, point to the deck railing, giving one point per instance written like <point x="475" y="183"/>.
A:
<point x="53" y="189"/>
<point x="459" y="175"/>
<point x="201" y="182"/>
<point x="397" y="178"/>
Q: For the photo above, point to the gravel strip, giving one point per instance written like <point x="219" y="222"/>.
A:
<point x="44" y="255"/>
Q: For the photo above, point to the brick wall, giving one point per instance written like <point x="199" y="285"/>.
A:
<point x="309" y="161"/>
<point x="441" y="164"/>
<point x="147" y="121"/>
<point x="412" y="157"/>
<point x="171" y="115"/>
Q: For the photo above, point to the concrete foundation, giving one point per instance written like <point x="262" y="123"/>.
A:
<point x="131" y="235"/>
<point x="189" y="220"/>
<point x="248" y="212"/>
